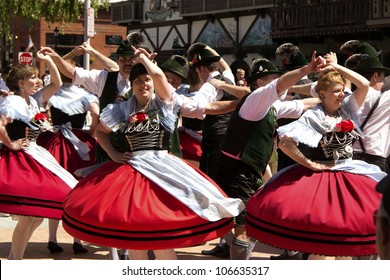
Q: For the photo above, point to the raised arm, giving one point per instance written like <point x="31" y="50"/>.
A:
<point x="55" y="77"/>
<point x="290" y="78"/>
<point x="65" y="68"/>
<point x="223" y="65"/>
<point x="162" y="87"/>
<point x="361" y="83"/>
<point x="107" y="63"/>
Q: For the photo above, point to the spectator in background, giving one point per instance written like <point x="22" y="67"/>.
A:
<point x="240" y="77"/>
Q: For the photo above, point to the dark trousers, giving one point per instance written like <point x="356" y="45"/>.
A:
<point x="381" y="162"/>
<point x="211" y="150"/>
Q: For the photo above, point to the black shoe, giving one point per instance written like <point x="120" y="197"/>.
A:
<point x="213" y="252"/>
<point x="225" y="254"/>
<point x="305" y="256"/>
<point x="54" y="248"/>
<point x="124" y="257"/>
<point x="286" y="256"/>
<point x="79" y="249"/>
<point x="218" y="251"/>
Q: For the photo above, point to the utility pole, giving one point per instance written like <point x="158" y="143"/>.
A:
<point x="87" y="29"/>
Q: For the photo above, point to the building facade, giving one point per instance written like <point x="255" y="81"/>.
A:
<point x="106" y="39"/>
<point x="244" y="29"/>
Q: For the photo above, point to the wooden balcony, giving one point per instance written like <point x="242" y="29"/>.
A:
<point x="317" y="18"/>
<point x="203" y="7"/>
<point x="127" y="11"/>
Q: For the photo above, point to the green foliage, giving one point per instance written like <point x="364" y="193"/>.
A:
<point x="64" y="11"/>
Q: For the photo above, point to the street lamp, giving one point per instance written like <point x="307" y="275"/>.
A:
<point x="56" y="33"/>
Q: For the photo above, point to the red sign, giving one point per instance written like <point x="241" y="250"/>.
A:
<point x="26" y="58"/>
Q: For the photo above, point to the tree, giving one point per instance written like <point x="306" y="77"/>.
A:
<point x="64" y="11"/>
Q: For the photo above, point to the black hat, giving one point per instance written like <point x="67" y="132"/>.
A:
<point x="124" y="49"/>
<point x="204" y="57"/>
<point x="261" y="68"/>
<point x="354" y="46"/>
<point x="136" y="71"/>
<point x="372" y="64"/>
<point x="173" y="66"/>
<point x="384" y="187"/>
<point x="291" y="57"/>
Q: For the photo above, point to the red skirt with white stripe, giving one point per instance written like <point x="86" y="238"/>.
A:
<point x="327" y="213"/>
<point x="117" y="206"/>
<point x="27" y="188"/>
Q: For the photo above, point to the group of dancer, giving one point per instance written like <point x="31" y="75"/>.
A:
<point x="119" y="183"/>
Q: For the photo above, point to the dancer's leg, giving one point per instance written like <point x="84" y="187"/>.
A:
<point x="21" y="235"/>
<point x="138" y="254"/>
<point x="167" y="254"/>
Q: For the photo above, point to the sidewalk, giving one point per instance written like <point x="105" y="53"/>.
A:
<point x="36" y="248"/>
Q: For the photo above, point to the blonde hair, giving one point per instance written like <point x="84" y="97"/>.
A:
<point x="240" y="70"/>
<point x="328" y="79"/>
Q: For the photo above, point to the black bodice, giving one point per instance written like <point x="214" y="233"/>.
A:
<point x="58" y="117"/>
<point x="333" y="146"/>
<point x="17" y="130"/>
<point x="131" y="141"/>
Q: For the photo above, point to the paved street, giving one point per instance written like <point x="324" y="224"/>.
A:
<point x="37" y="246"/>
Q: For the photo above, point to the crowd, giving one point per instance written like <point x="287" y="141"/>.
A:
<point x="145" y="158"/>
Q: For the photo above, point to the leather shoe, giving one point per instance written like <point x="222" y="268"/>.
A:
<point x="124" y="257"/>
<point x="54" y="248"/>
<point x="218" y="251"/>
<point x="79" y="249"/>
<point x="286" y="256"/>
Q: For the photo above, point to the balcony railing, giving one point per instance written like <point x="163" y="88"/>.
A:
<point x="202" y="7"/>
<point x="127" y="11"/>
<point x="318" y="15"/>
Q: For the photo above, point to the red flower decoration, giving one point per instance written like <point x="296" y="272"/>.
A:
<point x="285" y="61"/>
<point x="344" y="126"/>
<point x="40" y="117"/>
<point x="195" y="60"/>
<point x="138" y="117"/>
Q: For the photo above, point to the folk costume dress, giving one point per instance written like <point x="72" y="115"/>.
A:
<point x="32" y="183"/>
<point x="155" y="200"/>
<point x="327" y="212"/>
<point x="71" y="146"/>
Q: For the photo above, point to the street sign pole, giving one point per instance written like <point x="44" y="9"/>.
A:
<point x="89" y="29"/>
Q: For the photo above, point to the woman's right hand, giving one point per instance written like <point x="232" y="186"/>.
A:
<point x="120" y="157"/>
<point x="18" y="144"/>
<point x="316" y="166"/>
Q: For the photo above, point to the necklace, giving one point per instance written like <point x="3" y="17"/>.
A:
<point x="332" y="115"/>
<point x="143" y="109"/>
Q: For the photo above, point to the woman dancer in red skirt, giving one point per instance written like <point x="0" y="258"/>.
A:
<point x="145" y="198"/>
<point x="324" y="204"/>
<point x="33" y="185"/>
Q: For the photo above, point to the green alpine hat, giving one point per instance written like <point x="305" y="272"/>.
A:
<point x="204" y="57"/>
<point x="171" y="65"/>
<point x="366" y="48"/>
<point x="372" y="64"/>
<point x="263" y="68"/>
<point x="124" y="49"/>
